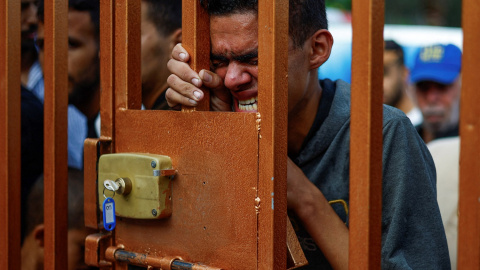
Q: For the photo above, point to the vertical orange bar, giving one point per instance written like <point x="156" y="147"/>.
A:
<point x="469" y="205"/>
<point x="107" y="70"/>
<point x="196" y="40"/>
<point x="127" y="55"/>
<point x="366" y="135"/>
<point x="10" y="134"/>
<point x="94" y="147"/>
<point x="55" y="143"/>
<point x="272" y="110"/>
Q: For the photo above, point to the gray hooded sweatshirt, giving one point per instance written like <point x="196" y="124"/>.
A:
<point x="412" y="232"/>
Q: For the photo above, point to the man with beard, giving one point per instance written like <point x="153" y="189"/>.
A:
<point x="395" y="82"/>
<point x="437" y="82"/>
<point x="83" y="73"/>
<point x="161" y="30"/>
<point x="319" y="138"/>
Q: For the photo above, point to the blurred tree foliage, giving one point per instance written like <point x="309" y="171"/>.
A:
<point x="417" y="12"/>
<point x="340" y="4"/>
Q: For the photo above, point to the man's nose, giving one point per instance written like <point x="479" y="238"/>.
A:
<point x="433" y="94"/>
<point x="236" y="76"/>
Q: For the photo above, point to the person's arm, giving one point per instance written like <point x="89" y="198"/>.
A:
<point x="317" y="216"/>
<point x="185" y="84"/>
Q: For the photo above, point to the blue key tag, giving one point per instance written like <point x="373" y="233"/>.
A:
<point x="109" y="220"/>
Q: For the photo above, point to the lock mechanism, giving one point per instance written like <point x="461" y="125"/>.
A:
<point x="140" y="184"/>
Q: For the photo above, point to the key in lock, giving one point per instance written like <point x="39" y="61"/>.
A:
<point x="141" y="184"/>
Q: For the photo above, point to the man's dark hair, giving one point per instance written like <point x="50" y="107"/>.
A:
<point x="92" y="6"/>
<point x="305" y="16"/>
<point x="393" y="46"/>
<point x="166" y="15"/>
<point x="75" y="203"/>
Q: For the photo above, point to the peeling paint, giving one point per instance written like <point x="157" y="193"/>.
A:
<point x="272" y="200"/>
<point x="259" y="122"/>
<point x="257" y="205"/>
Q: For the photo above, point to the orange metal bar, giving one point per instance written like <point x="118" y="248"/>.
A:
<point x="107" y="71"/>
<point x="55" y="143"/>
<point x="10" y="134"/>
<point x="127" y="60"/>
<point x="272" y="119"/>
<point x="196" y="40"/>
<point x="366" y="135"/>
<point x="469" y="205"/>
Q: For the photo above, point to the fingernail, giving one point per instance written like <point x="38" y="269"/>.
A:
<point x="197" y="94"/>
<point x="207" y="77"/>
<point x="182" y="56"/>
<point x="196" y="82"/>
<point x="192" y="101"/>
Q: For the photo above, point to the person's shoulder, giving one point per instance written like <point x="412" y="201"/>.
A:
<point x="392" y="115"/>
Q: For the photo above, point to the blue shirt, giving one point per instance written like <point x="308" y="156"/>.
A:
<point x="77" y="122"/>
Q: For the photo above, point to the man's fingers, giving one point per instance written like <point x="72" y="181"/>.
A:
<point x="174" y="99"/>
<point x="185" y="89"/>
<point x="184" y="72"/>
<point x="210" y="79"/>
<point x="180" y="54"/>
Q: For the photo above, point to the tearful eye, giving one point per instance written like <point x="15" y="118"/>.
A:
<point x="253" y="62"/>
<point x="216" y="64"/>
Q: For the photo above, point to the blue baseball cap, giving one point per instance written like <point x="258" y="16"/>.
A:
<point x="437" y="63"/>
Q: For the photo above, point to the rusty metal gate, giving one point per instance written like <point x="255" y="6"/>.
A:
<point x="164" y="132"/>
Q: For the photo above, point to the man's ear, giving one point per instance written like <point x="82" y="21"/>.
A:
<point x="321" y="43"/>
<point x="175" y="38"/>
<point x="38" y="234"/>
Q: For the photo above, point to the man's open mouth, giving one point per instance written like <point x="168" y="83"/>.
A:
<point x="248" y="104"/>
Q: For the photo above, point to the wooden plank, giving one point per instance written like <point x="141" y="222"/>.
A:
<point x="214" y="219"/>
<point x="196" y="40"/>
<point x="469" y="205"/>
<point x="55" y="142"/>
<point x="366" y="135"/>
<point x="272" y="121"/>
<point x="127" y="55"/>
<point x="10" y="134"/>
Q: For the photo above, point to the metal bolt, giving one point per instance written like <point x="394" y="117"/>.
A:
<point x="154" y="164"/>
<point x="154" y="212"/>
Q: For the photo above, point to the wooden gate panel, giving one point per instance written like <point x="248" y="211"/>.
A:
<point x="10" y="134"/>
<point x="216" y="212"/>
<point x="214" y="219"/>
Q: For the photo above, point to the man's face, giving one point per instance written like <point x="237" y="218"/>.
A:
<point x="156" y="50"/>
<point x="83" y="60"/>
<point x="235" y="57"/>
<point x="439" y="103"/>
<point x="28" y="23"/>
<point x="393" y="79"/>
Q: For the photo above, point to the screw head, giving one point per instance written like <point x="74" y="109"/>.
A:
<point x="153" y="164"/>
<point x="154" y="212"/>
